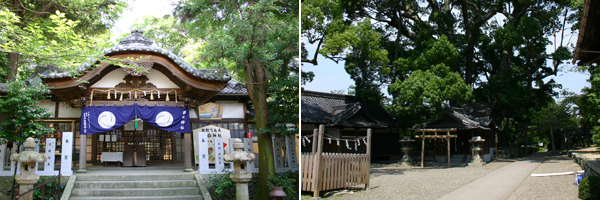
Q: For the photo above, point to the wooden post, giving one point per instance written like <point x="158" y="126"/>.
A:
<point x="552" y="138"/>
<point x="318" y="163"/>
<point x="82" y="153"/>
<point x="422" y="148"/>
<point x="368" y="158"/>
<point x="314" y="145"/>
<point x="187" y="142"/>
<point x="526" y="136"/>
<point x="448" y="143"/>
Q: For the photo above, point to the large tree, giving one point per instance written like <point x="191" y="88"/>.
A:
<point x="63" y="33"/>
<point x="500" y="46"/>
<point x="261" y="38"/>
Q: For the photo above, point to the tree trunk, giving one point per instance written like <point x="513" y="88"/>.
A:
<point x="257" y="82"/>
<point x="13" y="60"/>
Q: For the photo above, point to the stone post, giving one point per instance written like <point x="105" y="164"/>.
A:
<point x="28" y="159"/>
<point x="240" y="175"/>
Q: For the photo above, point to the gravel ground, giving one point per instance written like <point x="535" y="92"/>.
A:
<point x="395" y="182"/>
<point x="552" y="187"/>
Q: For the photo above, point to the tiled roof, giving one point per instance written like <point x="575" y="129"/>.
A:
<point x="234" y="87"/>
<point x="137" y="42"/>
<point x="342" y="110"/>
<point x="469" y="116"/>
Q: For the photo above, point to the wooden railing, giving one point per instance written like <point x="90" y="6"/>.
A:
<point x="329" y="171"/>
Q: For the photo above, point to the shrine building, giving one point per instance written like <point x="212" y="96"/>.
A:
<point x="147" y="114"/>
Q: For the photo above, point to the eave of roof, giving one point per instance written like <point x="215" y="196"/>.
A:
<point x="135" y="43"/>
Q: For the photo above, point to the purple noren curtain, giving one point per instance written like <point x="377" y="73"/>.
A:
<point x="101" y="119"/>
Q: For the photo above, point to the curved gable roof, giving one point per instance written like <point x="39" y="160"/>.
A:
<point x="199" y="84"/>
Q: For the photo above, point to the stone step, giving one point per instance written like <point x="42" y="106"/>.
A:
<point x="135" y="184"/>
<point x="134" y="177"/>
<point x="179" y="197"/>
<point x="136" y="192"/>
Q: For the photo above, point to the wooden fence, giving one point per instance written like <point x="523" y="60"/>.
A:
<point x="329" y="171"/>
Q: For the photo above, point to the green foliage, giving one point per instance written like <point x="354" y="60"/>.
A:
<point x="18" y="105"/>
<point x="51" y="190"/>
<point x="499" y="61"/>
<point x="222" y="187"/>
<point x="60" y="33"/>
<point x="430" y="86"/>
<point x="284" y="105"/>
<point x="588" y="188"/>
<point x="588" y="103"/>
<point x="288" y="181"/>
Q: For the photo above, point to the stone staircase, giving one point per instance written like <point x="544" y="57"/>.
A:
<point x="146" y="187"/>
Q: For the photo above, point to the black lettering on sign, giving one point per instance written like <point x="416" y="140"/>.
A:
<point x="48" y="150"/>
<point x="67" y="141"/>
<point x="203" y="156"/>
<point x="48" y="164"/>
<point x="203" y="140"/>
<point x="66" y="157"/>
<point x="48" y="157"/>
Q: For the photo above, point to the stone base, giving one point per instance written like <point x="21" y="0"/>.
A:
<point x="406" y="163"/>
<point x="82" y="171"/>
<point x="188" y="170"/>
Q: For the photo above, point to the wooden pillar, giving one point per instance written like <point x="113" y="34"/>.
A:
<point x="552" y="138"/>
<point x="368" y="159"/>
<point x="82" y="153"/>
<point x="448" y="146"/>
<point x="422" y="148"/>
<point x="314" y="140"/>
<point x="316" y="173"/>
<point x="187" y="154"/>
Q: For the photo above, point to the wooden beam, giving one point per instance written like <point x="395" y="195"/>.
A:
<point x="422" y="149"/>
<point x="429" y="130"/>
<point x="368" y="158"/>
<point x="318" y="161"/>
<point x="448" y="146"/>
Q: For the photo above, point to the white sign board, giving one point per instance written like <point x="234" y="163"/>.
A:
<point x="211" y="132"/>
<point x="67" y="152"/>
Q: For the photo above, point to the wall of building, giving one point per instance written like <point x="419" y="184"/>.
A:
<point x="48" y="105"/>
<point x="232" y="109"/>
<point x="65" y="111"/>
<point x="116" y="76"/>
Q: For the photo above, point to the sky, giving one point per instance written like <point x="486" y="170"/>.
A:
<point x="138" y="9"/>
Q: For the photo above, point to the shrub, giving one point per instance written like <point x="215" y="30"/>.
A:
<point x="51" y="190"/>
<point x="588" y="188"/>
<point x="222" y="187"/>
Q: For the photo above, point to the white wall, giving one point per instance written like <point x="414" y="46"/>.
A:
<point x="193" y="114"/>
<point x="65" y="111"/>
<point x="116" y="76"/>
<point x="232" y="109"/>
<point x="48" y="105"/>
<point x="111" y="79"/>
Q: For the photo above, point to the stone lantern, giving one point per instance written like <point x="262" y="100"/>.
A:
<point x="406" y="143"/>
<point x="240" y="176"/>
<point x="28" y="159"/>
<point x="477" y="147"/>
